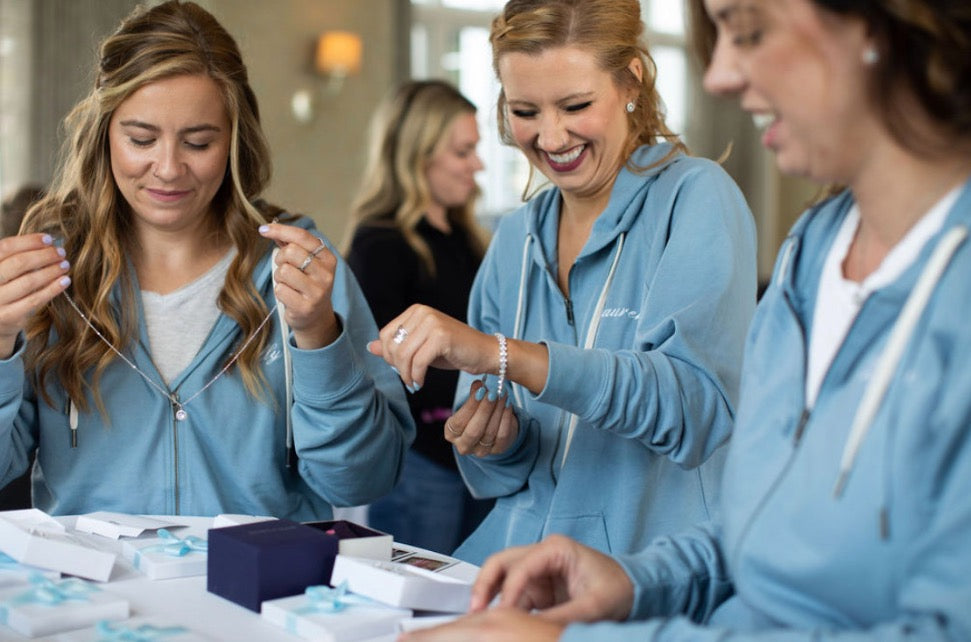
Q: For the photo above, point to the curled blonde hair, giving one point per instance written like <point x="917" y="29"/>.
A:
<point x="406" y="130"/>
<point x="612" y="31"/>
<point x="85" y="210"/>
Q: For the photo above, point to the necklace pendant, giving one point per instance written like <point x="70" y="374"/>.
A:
<point x="181" y="414"/>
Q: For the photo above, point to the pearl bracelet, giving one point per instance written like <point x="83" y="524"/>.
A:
<point x="503" y="362"/>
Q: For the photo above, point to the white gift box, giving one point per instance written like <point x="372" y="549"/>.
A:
<point x="13" y="573"/>
<point x="167" y="555"/>
<point x="327" y="614"/>
<point x="234" y="519"/>
<point x="116" y="525"/>
<point x="32" y="537"/>
<point x="134" y="629"/>
<point x="402" y="584"/>
<point x="52" y="606"/>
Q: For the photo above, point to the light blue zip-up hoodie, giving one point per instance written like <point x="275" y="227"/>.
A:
<point x="350" y="423"/>
<point x="662" y="292"/>
<point x="793" y="558"/>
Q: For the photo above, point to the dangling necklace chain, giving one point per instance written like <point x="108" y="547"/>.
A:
<point x="180" y="413"/>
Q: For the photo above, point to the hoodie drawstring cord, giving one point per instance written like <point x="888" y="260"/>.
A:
<point x="899" y="337"/>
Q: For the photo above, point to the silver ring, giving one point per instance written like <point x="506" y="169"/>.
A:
<point x="306" y="262"/>
<point x="448" y="427"/>
<point x="400" y="335"/>
<point x="318" y="249"/>
<point x="488" y="444"/>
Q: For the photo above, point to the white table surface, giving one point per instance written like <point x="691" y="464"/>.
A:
<point x="185" y="601"/>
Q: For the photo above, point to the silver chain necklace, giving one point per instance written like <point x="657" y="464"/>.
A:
<point x="180" y="413"/>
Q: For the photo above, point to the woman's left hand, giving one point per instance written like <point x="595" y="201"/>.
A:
<point x="484" y="425"/>
<point x="499" y="624"/>
<point x="304" y="282"/>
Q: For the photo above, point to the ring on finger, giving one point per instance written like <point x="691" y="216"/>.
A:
<point x="487" y="444"/>
<point x="306" y="262"/>
<point x="399" y="335"/>
<point x="317" y="250"/>
<point x="448" y="427"/>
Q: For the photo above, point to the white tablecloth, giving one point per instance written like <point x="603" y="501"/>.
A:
<point x="186" y="602"/>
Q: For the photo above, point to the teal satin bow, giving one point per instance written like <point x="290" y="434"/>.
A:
<point x="173" y="546"/>
<point x="49" y="593"/>
<point x="323" y="599"/>
<point x="143" y="633"/>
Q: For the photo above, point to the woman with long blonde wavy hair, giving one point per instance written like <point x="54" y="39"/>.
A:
<point x="414" y="239"/>
<point x="163" y="328"/>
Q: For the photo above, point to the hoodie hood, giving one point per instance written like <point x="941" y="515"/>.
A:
<point x="625" y="205"/>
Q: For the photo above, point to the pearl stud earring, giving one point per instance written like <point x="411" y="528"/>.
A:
<point x="630" y="107"/>
<point x="871" y="56"/>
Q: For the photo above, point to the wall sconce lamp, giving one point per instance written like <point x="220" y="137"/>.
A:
<point x="337" y="55"/>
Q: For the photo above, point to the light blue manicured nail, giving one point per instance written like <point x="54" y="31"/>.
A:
<point x="47" y="239"/>
<point x="492" y="396"/>
<point x="415" y="387"/>
<point x="61" y="251"/>
<point x="65" y="281"/>
<point x="480" y="393"/>
<point x="65" y="265"/>
<point x="264" y="229"/>
<point x="395" y="370"/>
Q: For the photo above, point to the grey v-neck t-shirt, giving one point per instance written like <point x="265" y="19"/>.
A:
<point x="179" y="322"/>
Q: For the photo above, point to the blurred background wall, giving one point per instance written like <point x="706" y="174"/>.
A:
<point x="48" y="50"/>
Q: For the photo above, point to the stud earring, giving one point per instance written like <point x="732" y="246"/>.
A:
<point x="871" y="56"/>
<point x="630" y="107"/>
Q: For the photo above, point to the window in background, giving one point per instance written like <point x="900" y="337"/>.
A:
<point x="450" y="39"/>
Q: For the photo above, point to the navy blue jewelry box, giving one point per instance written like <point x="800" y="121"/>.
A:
<point x="266" y="560"/>
<point x="357" y="540"/>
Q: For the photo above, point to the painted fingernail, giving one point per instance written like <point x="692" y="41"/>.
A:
<point x="492" y="396"/>
<point x="65" y="281"/>
<point x="415" y="387"/>
<point x="47" y="239"/>
<point x="480" y="393"/>
<point x="65" y="265"/>
<point x="61" y="251"/>
<point x="264" y="229"/>
<point x="395" y="370"/>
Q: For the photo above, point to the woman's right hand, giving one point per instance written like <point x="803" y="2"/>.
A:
<point x="32" y="272"/>
<point x="484" y="425"/>
<point x="561" y="578"/>
<point x="422" y="337"/>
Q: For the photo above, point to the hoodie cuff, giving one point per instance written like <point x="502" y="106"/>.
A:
<point x="576" y="378"/>
<point x="12" y="370"/>
<point x="328" y="372"/>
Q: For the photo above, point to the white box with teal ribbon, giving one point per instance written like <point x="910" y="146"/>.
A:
<point x="327" y="614"/>
<point x="167" y="555"/>
<point x="140" y="629"/>
<point x="50" y="606"/>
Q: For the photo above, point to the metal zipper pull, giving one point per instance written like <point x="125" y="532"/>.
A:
<point x="180" y="413"/>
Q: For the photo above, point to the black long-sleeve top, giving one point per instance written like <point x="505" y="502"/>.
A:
<point x="393" y="277"/>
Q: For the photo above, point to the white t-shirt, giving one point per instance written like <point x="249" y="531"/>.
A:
<point x="179" y="322"/>
<point x="839" y="299"/>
